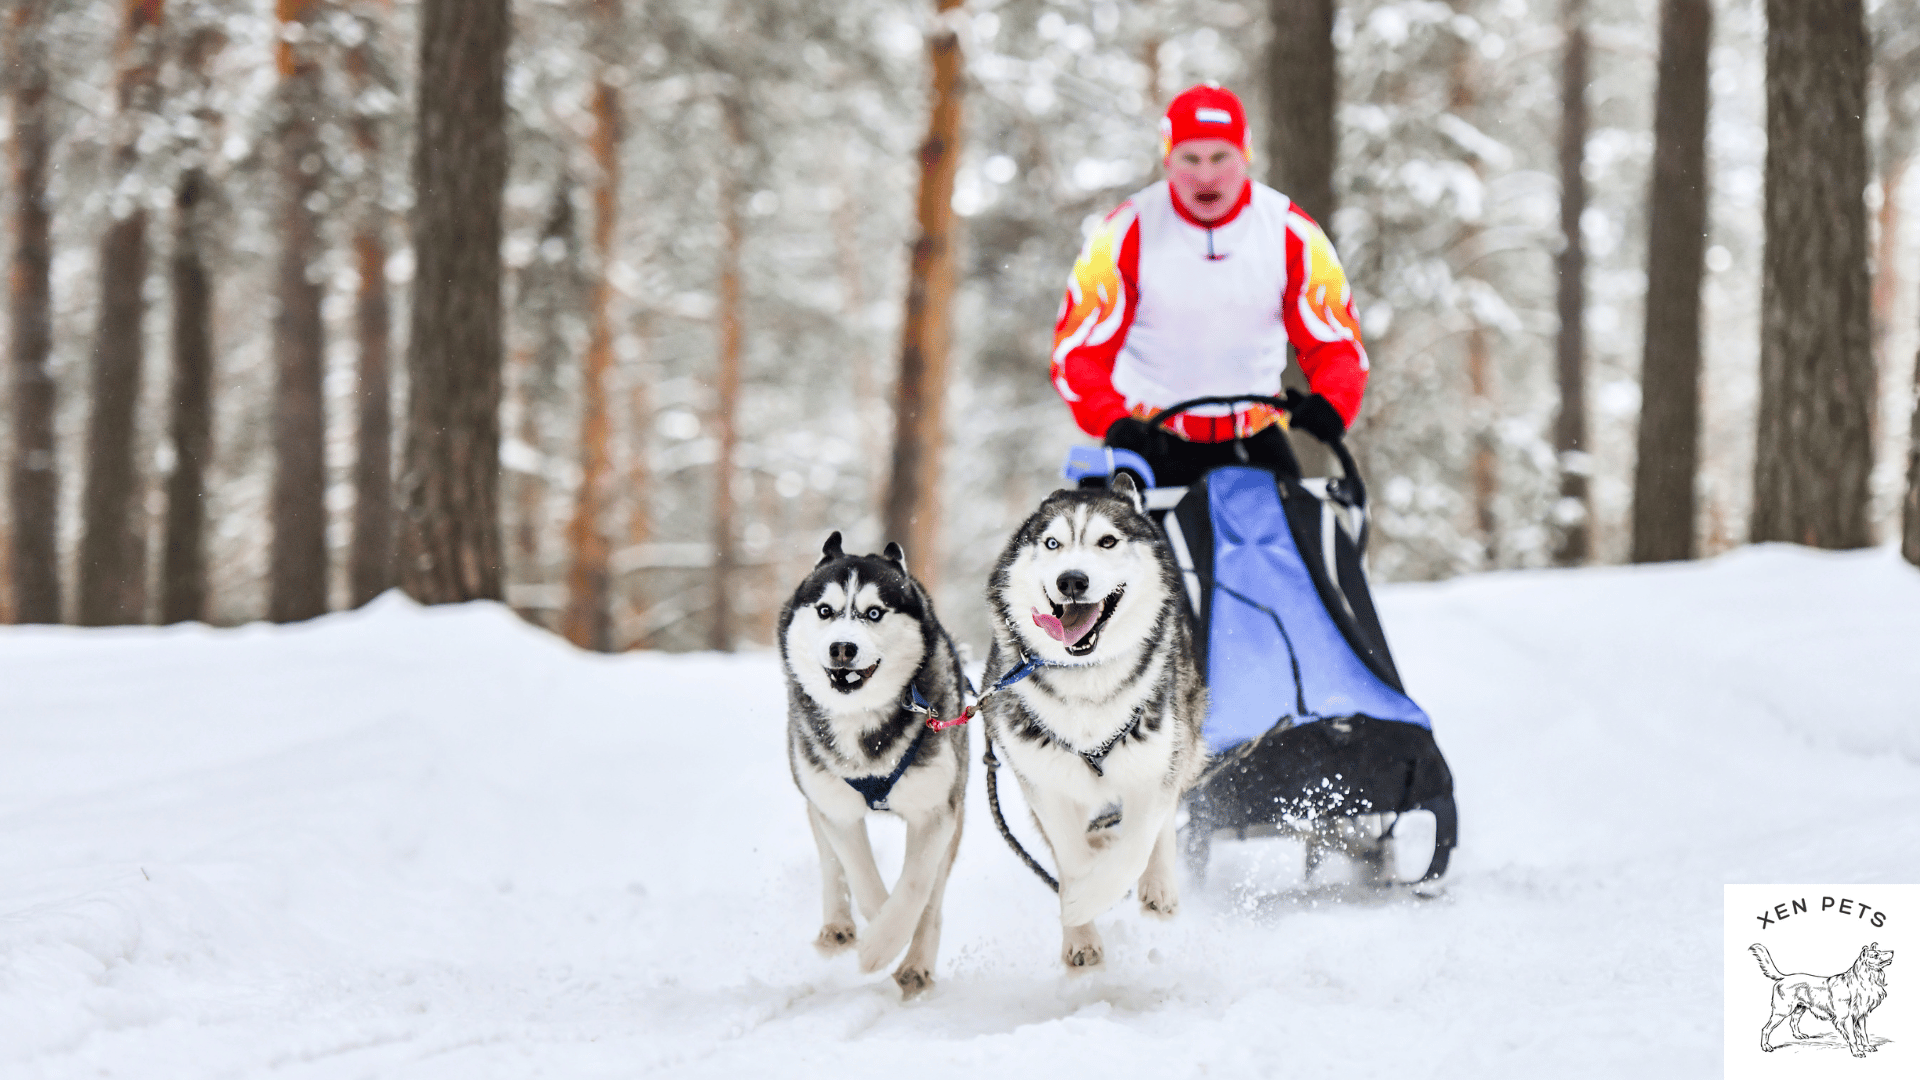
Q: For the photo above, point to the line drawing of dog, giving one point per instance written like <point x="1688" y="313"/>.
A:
<point x="856" y="639"/>
<point x="1843" y="1000"/>
<point x="1104" y="737"/>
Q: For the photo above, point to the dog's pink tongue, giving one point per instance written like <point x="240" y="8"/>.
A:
<point x="1083" y="616"/>
<point x="1079" y="621"/>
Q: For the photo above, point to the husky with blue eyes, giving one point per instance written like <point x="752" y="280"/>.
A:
<point x="1104" y="733"/>
<point x="869" y="674"/>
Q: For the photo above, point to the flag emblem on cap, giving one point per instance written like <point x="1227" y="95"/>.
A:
<point x="1213" y="116"/>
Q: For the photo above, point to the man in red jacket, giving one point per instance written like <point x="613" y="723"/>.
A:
<point x="1194" y="287"/>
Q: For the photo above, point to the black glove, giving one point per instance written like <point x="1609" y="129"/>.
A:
<point x="1316" y="416"/>
<point x="1138" y="436"/>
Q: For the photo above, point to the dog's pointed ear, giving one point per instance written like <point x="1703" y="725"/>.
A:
<point x="832" y="549"/>
<point x="896" y="555"/>
<point x="1122" y="484"/>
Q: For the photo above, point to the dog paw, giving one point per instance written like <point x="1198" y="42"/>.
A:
<point x="835" y="938"/>
<point x="1159" y="900"/>
<point x="913" y="981"/>
<point x="1081" y="950"/>
<point x="1081" y="959"/>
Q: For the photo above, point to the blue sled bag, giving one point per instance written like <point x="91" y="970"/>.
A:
<point x="1308" y="717"/>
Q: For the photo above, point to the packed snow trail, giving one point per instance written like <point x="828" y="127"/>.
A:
<point x="439" y="843"/>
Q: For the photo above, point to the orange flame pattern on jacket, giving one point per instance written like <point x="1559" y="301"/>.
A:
<point x="1326" y="300"/>
<point x="1095" y="293"/>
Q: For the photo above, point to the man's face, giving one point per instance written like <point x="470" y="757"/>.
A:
<point x="1207" y="175"/>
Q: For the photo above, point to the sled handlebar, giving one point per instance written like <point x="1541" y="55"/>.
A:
<point x="1348" y="466"/>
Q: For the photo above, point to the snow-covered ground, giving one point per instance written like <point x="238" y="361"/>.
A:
<point x="438" y="843"/>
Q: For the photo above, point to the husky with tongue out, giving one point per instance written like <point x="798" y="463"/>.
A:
<point x="866" y="663"/>
<point x="1104" y="736"/>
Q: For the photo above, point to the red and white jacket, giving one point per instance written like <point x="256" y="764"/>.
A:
<point x="1162" y="307"/>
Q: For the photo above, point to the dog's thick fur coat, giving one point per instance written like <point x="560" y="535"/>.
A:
<point x="1105" y="738"/>
<point x="1843" y="1000"/>
<point x="857" y="633"/>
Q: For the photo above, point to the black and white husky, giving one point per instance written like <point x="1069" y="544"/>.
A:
<point x="1105" y="734"/>
<point x="858" y="640"/>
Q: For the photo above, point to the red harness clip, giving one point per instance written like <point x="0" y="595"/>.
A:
<point x="936" y="724"/>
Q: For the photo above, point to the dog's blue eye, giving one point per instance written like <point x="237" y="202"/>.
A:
<point x="825" y="611"/>
<point x="1109" y="541"/>
<point x="1052" y="544"/>
<point x="874" y="613"/>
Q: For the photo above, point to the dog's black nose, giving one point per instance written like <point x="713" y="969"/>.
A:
<point x="843" y="652"/>
<point x="1072" y="584"/>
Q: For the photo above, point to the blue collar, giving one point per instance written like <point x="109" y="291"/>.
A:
<point x="1027" y="666"/>
<point x="917" y="702"/>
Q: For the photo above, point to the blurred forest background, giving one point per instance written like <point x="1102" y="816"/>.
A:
<point x="728" y="224"/>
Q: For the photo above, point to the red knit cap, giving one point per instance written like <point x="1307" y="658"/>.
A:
<point x="1206" y="111"/>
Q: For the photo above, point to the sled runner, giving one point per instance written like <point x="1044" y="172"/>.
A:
<point x="1310" y="730"/>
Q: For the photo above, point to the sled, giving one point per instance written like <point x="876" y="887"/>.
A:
<point x="1310" y="732"/>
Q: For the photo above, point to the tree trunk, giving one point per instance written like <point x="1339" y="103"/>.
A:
<point x="450" y="534"/>
<point x="108" y="560"/>
<point x="913" y="491"/>
<point x="112" y="564"/>
<point x="1910" y="507"/>
<point x="1669" y="436"/>
<point x="370" y="552"/>
<point x="1303" y="84"/>
<point x="1484" y="469"/>
<point x="727" y="383"/>
<point x="297" y="558"/>
<point x="588" y="621"/>
<point x="183" y="576"/>
<point x="370" y="557"/>
<point x="1817" y="390"/>
<point x="34" y="491"/>
<point x="1575" y="512"/>
<point x="183" y="561"/>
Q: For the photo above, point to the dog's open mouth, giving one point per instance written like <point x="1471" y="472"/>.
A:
<point x="1077" y="626"/>
<point x="847" y="680"/>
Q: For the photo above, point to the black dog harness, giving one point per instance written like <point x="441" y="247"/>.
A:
<point x="1096" y="757"/>
<point x="875" y="789"/>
